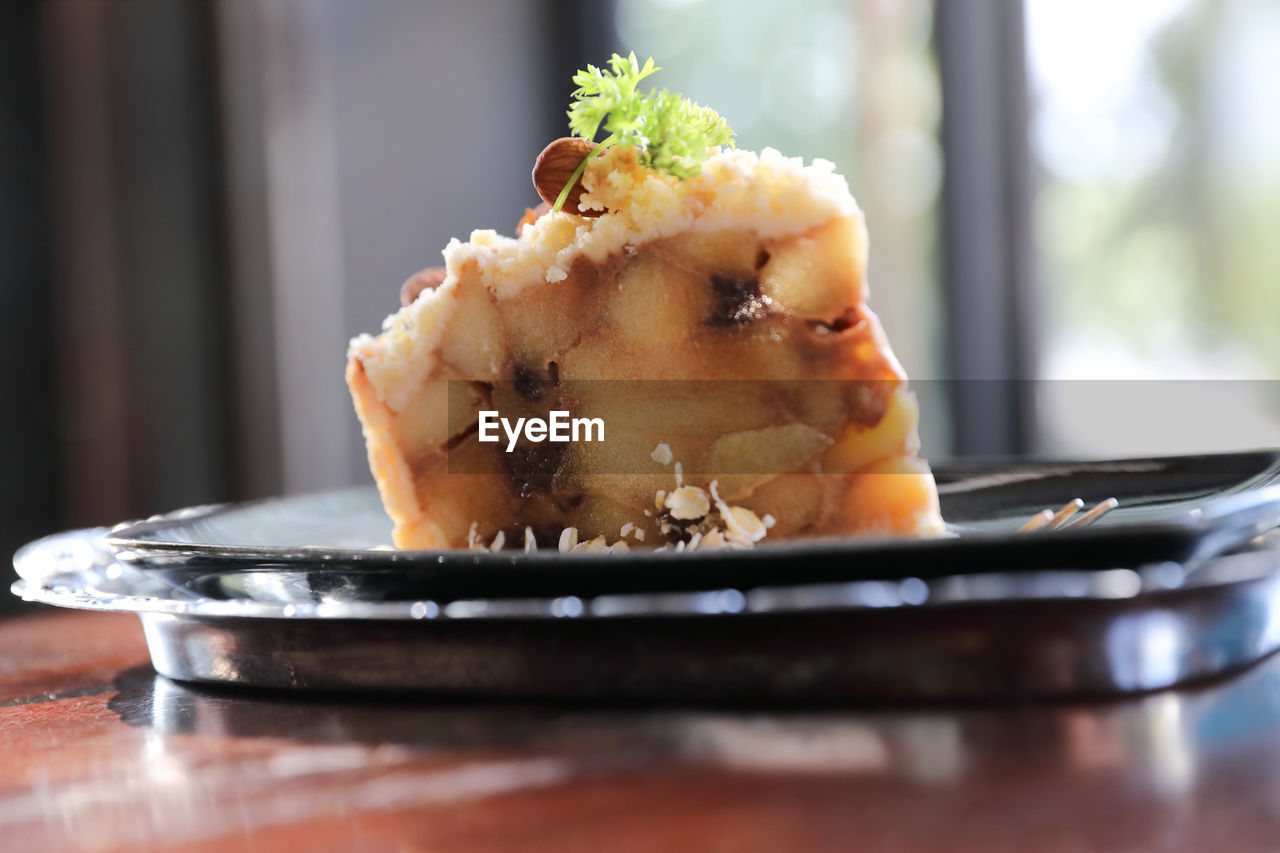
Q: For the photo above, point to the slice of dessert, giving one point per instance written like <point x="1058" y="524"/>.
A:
<point x="709" y="303"/>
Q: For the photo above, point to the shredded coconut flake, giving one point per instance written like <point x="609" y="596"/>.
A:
<point x="592" y="545"/>
<point x="662" y="453"/>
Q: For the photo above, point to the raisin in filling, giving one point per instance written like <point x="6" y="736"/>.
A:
<point x="739" y="302"/>
<point x="533" y="468"/>
<point x="530" y="384"/>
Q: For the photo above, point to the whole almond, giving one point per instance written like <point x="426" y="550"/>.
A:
<point x="556" y="165"/>
<point x="428" y="279"/>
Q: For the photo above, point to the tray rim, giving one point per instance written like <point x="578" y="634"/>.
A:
<point x="69" y="588"/>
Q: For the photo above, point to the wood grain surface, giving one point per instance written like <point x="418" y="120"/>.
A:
<point x="98" y="753"/>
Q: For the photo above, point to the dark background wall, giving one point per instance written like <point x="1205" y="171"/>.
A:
<point x="30" y="465"/>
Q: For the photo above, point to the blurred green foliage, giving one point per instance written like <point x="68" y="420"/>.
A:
<point x="1182" y="256"/>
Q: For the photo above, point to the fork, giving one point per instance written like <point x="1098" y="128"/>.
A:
<point x="1066" y="517"/>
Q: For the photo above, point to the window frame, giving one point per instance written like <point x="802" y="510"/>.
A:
<point x="987" y="227"/>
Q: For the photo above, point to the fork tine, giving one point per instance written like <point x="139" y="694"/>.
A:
<point x="1040" y="519"/>
<point x="1100" y="509"/>
<point x="1064" y="515"/>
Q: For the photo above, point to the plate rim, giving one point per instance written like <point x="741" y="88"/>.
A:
<point x="136" y="541"/>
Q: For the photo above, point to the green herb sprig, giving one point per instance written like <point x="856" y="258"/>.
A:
<point x="671" y="132"/>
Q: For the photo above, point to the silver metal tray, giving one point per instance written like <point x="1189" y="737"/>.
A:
<point x="805" y="623"/>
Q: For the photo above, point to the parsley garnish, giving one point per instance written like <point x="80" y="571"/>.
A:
<point x="671" y="132"/>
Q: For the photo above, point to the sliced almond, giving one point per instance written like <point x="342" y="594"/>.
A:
<point x="687" y="503"/>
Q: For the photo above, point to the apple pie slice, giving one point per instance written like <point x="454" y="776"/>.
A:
<point x="716" y="325"/>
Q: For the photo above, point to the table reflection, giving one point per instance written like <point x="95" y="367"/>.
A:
<point x="195" y="763"/>
<point x="1160" y="733"/>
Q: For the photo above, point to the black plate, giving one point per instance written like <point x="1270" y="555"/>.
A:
<point x="1178" y="509"/>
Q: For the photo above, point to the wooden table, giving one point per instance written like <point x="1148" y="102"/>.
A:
<point x="98" y="753"/>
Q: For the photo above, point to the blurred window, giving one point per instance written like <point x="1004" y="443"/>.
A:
<point x="851" y="82"/>
<point x="855" y="83"/>
<point x="1156" y="133"/>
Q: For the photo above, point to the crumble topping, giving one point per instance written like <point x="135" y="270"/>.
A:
<point x="767" y="193"/>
